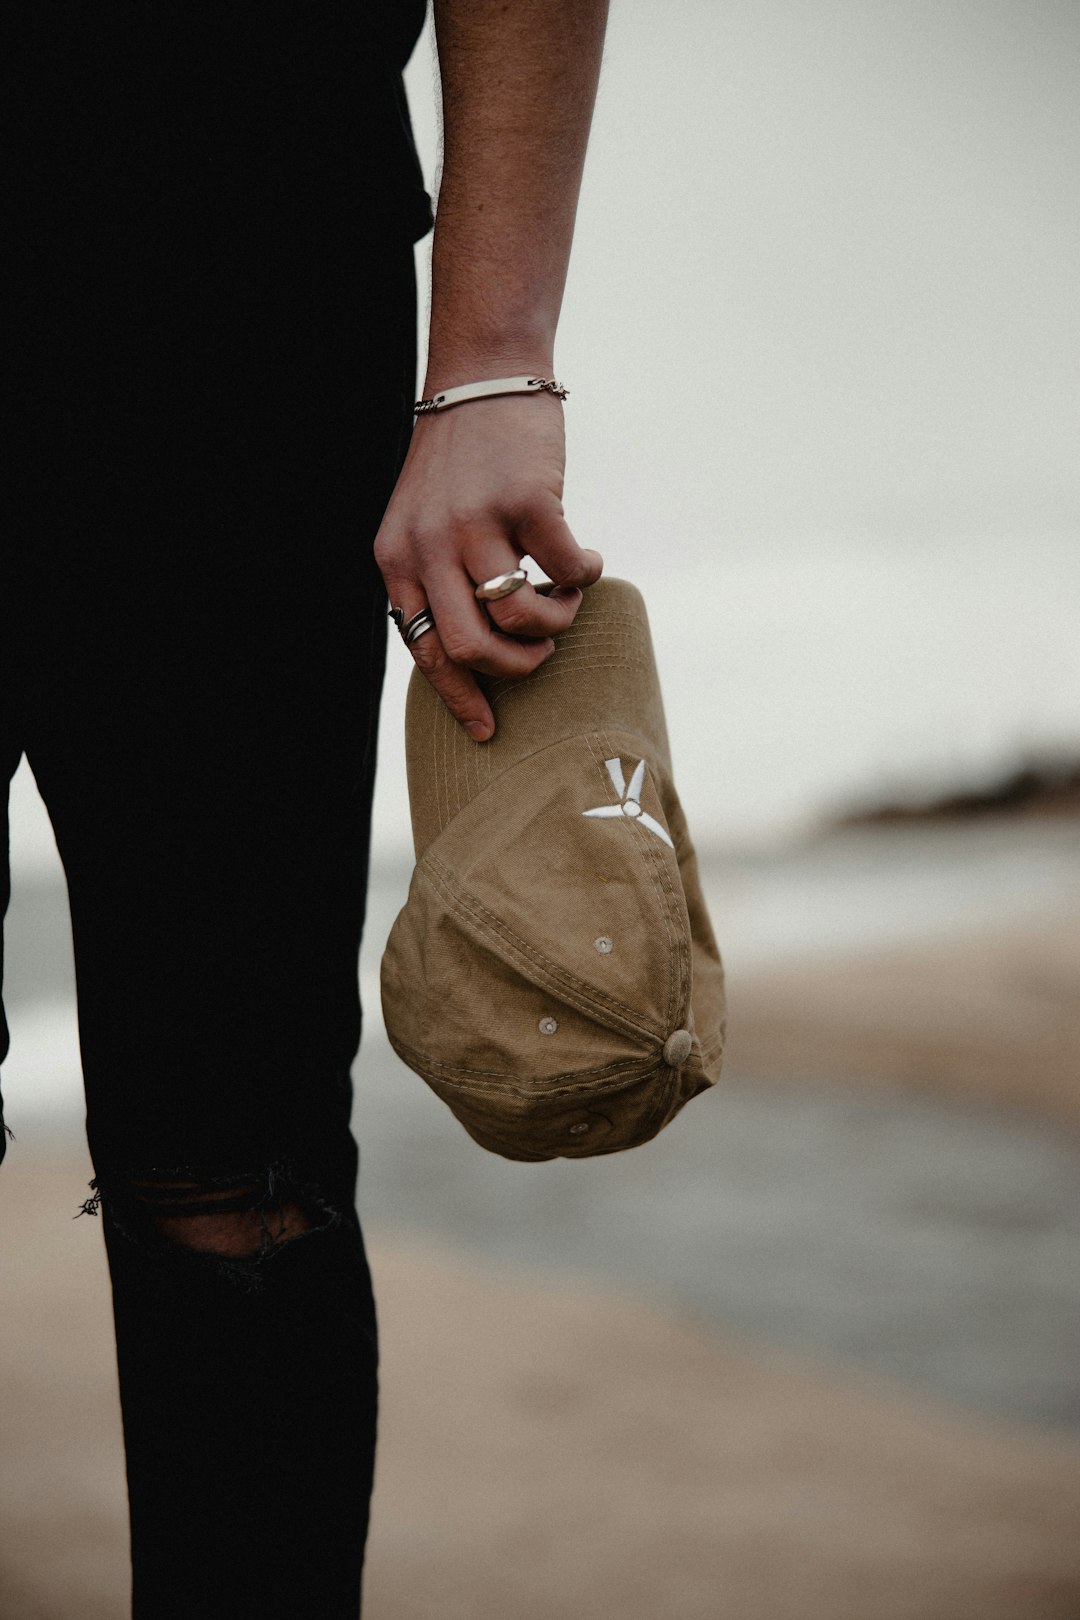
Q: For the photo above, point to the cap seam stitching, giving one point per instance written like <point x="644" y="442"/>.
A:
<point x="653" y="858"/>
<point x="441" y="879"/>
<point x="541" y="675"/>
<point x="682" y="990"/>
<point x="435" y="769"/>
<point x="445" y="717"/>
<point x="582" y="736"/>
<point x="566" y="986"/>
<point x="608" y="1077"/>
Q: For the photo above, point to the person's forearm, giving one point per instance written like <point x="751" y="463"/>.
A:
<point x="518" y="84"/>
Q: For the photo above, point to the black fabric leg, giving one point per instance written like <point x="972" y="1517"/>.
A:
<point x="249" y="1422"/>
<point x="214" y="412"/>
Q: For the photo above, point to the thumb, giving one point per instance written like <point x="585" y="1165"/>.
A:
<point x="546" y="537"/>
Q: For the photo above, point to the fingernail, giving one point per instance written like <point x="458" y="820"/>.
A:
<point x="479" y="730"/>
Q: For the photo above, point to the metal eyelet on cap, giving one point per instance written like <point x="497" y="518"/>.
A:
<point x="604" y="945"/>
<point x="578" y="1129"/>
<point x="548" y="1025"/>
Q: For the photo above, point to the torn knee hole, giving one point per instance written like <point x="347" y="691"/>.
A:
<point x="244" y="1217"/>
<point x="238" y="1219"/>
<point x="236" y="1232"/>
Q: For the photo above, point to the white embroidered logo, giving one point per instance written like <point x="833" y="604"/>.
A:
<point x="630" y="798"/>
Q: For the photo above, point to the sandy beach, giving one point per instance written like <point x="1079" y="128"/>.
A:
<point x="549" y="1451"/>
<point x="564" y="1435"/>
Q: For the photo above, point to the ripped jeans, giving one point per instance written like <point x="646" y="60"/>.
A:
<point x="192" y="637"/>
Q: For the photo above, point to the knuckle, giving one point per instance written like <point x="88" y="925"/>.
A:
<point x="459" y="522"/>
<point x="527" y="654"/>
<point x="427" y="547"/>
<point x="389" y="564"/>
<point x="427" y="655"/>
<point x="563" y="570"/>
<point x="563" y="562"/>
<point x="521" y="502"/>
<point x="519" y="620"/>
<point x="464" y="646"/>
<point x="502" y="657"/>
<point x="530" y="658"/>
<point x="388" y="543"/>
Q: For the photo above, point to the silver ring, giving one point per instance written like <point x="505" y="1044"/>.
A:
<point x="493" y="590"/>
<point x="418" y="625"/>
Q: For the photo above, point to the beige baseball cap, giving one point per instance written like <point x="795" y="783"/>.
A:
<point x="553" y="975"/>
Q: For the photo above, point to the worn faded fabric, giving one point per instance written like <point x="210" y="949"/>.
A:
<point x="553" y="975"/>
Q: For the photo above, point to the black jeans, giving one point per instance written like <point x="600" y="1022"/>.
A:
<point x="210" y="401"/>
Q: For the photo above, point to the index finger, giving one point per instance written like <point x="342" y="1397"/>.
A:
<point x="455" y="685"/>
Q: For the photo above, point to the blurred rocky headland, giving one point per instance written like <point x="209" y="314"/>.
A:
<point x="1034" y="787"/>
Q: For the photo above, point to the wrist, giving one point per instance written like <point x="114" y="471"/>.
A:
<point x="489" y="388"/>
<point x="453" y="365"/>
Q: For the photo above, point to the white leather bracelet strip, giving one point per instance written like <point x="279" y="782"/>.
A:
<point x="484" y="390"/>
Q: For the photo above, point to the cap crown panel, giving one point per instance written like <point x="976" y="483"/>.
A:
<point x="458" y="1004"/>
<point x="543" y="879"/>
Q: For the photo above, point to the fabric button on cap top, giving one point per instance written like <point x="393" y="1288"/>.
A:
<point x="534" y="852"/>
<point x="677" y="1047"/>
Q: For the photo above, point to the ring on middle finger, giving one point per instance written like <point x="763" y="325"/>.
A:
<point x="493" y="590"/>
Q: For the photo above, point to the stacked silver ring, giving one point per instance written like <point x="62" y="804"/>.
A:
<point x="417" y="626"/>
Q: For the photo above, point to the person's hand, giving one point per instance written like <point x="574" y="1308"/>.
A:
<point x="481" y="488"/>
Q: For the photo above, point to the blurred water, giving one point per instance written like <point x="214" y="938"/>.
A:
<point x="915" y="1238"/>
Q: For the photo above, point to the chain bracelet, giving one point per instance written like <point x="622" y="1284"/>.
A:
<point x="487" y="389"/>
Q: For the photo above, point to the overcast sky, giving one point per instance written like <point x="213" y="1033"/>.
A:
<point x="825" y="273"/>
